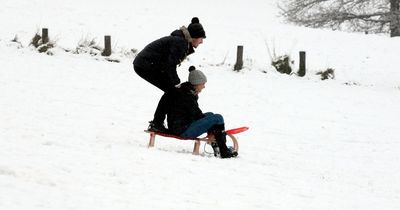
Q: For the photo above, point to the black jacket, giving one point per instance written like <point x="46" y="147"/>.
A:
<point x="164" y="54"/>
<point x="184" y="109"/>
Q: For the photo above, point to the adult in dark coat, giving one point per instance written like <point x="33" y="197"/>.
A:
<point x="157" y="63"/>
<point x="186" y="119"/>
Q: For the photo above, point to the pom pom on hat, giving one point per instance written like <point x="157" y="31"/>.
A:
<point x="196" y="29"/>
<point x="196" y="77"/>
<point x="191" y="68"/>
<point x="195" y="20"/>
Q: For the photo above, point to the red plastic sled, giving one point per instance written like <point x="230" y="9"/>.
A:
<point x="208" y="138"/>
<point x="237" y="130"/>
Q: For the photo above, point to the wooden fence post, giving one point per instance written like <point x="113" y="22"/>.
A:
<point x="302" y="64"/>
<point x="239" y="58"/>
<point x="45" y="35"/>
<point x="107" y="46"/>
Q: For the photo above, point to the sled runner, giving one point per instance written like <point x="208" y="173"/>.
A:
<point x="209" y="138"/>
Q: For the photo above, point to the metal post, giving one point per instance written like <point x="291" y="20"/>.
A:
<point x="107" y="46"/>
<point x="239" y="58"/>
<point x="45" y="35"/>
<point x="302" y="65"/>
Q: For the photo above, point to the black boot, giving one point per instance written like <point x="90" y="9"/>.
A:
<point x="157" y="127"/>
<point x="220" y="138"/>
<point x="215" y="147"/>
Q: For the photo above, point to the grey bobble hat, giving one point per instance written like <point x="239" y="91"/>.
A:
<point x="196" y="77"/>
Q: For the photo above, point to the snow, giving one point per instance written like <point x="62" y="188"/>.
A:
<point x="71" y="128"/>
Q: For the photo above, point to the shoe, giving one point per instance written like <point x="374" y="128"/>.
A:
<point x="155" y="127"/>
<point x="230" y="153"/>
<point x="233" y="152"/>
<point x="215" y="147"/>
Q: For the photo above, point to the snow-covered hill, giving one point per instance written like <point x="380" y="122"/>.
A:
<point x="71" y="125"/>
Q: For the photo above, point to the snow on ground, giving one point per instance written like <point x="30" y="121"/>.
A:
<point x="71" y="128"/>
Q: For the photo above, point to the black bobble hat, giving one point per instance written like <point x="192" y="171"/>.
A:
<point x="196" y="29"/>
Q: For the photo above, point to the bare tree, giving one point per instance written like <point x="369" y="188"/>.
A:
<point x="395" y="18"/>
<point x="374" y="16"/>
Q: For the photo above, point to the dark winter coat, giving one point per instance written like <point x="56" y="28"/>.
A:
<point x="164" y="54"/>
<point x="184" y="109"/>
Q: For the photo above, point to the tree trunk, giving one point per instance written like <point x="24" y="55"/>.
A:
<point x="395" y="18"/>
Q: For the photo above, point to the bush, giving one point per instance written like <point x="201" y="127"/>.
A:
<point x="17" y="42"/>
<point x="327" y="74"/>
<point x="282" y="64"/>
<point x="42" y="47"/>
<point x="36" y="40"/>
<point x="88" y="46"/>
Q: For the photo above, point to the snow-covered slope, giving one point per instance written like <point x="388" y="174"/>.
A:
<point x="71" y="125"/>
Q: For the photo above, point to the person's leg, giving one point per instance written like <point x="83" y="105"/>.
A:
<point x="159" y="80"/>
<point x="220" y="138"/>
<point x="202" y="125"/>
<point x="206" y="114"/>
<point x="155" y="78"/>
<point x="157" y="124"/>
<point x="163" y="106"/>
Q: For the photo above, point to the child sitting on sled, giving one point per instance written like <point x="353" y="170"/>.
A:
<point x="186" y="119"/>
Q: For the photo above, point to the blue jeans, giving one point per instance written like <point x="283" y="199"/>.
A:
<point x="202" y="125"/>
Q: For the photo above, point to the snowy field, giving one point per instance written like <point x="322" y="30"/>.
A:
<point x="71" y="125"/>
